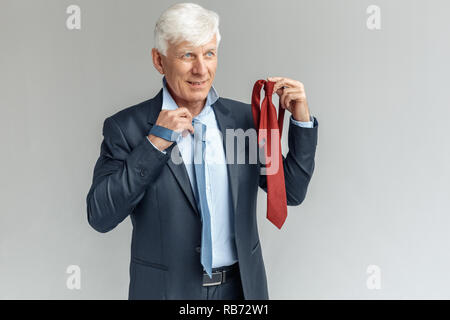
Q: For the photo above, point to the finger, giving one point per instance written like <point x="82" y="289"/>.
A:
<point x="279" y="88"/>
<point x="282" y="98"/>
<point x="289" y="90"/>
<point x="287" y="99"/>
<point x="274" y="78"/>
<point x="293" y="96"/>
<point x="183" y="112"/>
<point x="285" y="92"/>
<point x="186" y="124"/>
<point x="286" y="82"/>
<point x="187" y="114"/>
<point x="280" y="84"/>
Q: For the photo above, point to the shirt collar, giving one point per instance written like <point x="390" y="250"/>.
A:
<point x="169" y="104"/>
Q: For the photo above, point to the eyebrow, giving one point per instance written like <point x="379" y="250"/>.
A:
<point x="190" y="49"/>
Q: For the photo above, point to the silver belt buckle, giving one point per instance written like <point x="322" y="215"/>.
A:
<point x="214" y="281"/>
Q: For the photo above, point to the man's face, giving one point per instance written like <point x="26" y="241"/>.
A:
<point x="185" y="65"/>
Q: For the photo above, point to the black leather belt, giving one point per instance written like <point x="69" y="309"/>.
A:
<point x="220" y="275"/>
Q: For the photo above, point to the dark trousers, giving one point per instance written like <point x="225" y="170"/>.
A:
<point x="230" y="290"/>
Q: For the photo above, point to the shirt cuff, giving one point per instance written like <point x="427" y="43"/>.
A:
<point x="306" y="124"/>
<point x="163" y="151"/>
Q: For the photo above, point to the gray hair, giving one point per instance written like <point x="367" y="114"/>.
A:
<point x="186" y="22"/>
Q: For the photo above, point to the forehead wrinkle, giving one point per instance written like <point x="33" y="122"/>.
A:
<point x="190" y="48"/>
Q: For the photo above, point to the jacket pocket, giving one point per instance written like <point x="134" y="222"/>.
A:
<point x="149" y="264"/>
<point x="148" y="280"/>
<point x="255" y="247"/>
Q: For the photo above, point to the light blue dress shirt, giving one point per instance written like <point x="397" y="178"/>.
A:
<point x="217" y="184"/>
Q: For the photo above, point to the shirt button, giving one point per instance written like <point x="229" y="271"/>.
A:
<point x="198" y="249"/>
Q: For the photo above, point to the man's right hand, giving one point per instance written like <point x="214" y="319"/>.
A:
<point x="178" y="120"/>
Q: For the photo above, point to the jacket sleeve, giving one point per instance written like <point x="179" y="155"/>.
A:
<point x="298" y="164"/>
<point x="121" y="176"/>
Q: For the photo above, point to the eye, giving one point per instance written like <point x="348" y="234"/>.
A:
<point x="212" y="53"/>
<point x="185" y="55"/>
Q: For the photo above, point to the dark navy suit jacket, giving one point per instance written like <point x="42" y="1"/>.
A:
<point x="133" y="178"/>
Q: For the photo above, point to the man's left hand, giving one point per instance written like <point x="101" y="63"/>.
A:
<point x="292" y="97"/>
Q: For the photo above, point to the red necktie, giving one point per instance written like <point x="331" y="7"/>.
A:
<point x="266" y="118"/>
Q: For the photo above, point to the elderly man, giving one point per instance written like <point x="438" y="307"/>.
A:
<point x="176" y="253"/>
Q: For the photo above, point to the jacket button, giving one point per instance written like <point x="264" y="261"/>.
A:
<point x="198" y="249"/>
<point x="142" y="172"/>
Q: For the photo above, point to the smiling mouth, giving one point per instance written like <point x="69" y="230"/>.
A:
<point x="197" y="84"/>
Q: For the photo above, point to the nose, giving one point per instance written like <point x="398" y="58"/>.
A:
<point x="199" y="66"/>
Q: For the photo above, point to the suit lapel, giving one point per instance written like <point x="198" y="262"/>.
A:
<point x="225" y="120"/>
<point x="178" y="170"/>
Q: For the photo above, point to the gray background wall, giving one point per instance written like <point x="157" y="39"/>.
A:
<point x="379" y="194"/>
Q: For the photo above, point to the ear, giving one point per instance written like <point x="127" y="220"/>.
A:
<point x="157" y="60"/>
